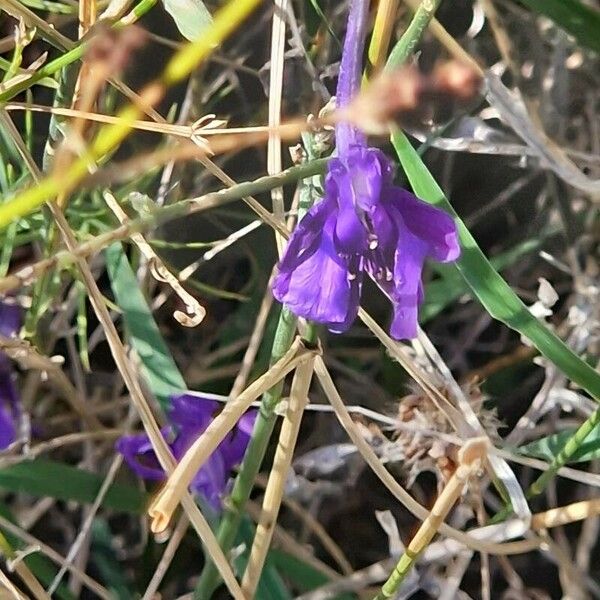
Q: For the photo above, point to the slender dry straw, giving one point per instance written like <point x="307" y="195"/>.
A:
<point x="195" y="311"/>
<point x="275" y="91"/>
<point x="165" y="561"/>
<point x="22" y="570"/>
<point x="111" y="136"/>
<point x="55" y="557"/>
<point x="470" y="459"/>
<point x="129" y="377"/>
<point x="277" y="477"/>
<point x="474" y="539"/>
<point x="162" y="508"/>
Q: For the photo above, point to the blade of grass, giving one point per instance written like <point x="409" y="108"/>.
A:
<point x="158" y="366"/>
<point x="486" y="283"/>
<point x="42" y="478"/>
<point x="576" y="18"/>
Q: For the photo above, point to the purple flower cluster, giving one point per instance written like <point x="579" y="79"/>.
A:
<point x="363" y="224"/>
<point x="189" y="416"/>
<point x="10" y="402"/>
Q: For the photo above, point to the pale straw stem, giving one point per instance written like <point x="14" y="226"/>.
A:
<point x="277" y="477"/>
<point x="167" y="557"/>
<point x="275" y="91"/>
<point x="471" y="457"/>
<point x="468" y="539"/>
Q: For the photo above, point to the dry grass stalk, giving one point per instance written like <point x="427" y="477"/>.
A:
<point x="277" y="477"/>
<point x="275" y="90"/>
<point x="470" y="460"/>
<point x="195" y="311"/>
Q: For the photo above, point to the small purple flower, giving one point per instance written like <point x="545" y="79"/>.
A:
<point x="10" y="402"/>
<point x="363" y="224"/>
<point x="189" y="416"/>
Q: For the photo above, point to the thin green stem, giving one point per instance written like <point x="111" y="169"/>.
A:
<point x="244" y="482"/>
<point x="560" y="460"/>
<point x="263" y="428"/>
<point x="411" y="37"/>
<point x="158" y="216"/>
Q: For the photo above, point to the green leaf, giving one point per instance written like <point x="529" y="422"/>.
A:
<point x="549" y="447"/>
<point x="492" y="291"/>
<point x="158" y="366"/>
<point x="190" y="16"/>
<point x="576" y="18"/>
<point x="42" y="477"/>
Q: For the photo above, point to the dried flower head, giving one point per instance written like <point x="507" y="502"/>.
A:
<point x="424" y="439"/>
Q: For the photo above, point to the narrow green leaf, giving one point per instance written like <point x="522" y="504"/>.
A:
<point x="158" y="366"/>
<point x="547" y="448"/>
<point x="575" y="17"/>
<point x="492" y="291"/>
<point x="190" y="16"/>
<point x="42" y="477"/>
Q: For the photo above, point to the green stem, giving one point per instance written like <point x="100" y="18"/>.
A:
<point x="411" y="37"/>
<point x="160" y="215"/>
<point x="560" y="460"/>
<point x="263" y="428"/>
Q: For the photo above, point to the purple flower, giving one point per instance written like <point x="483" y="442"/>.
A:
<point x="189" y="416"/>
<point x="10" y="402"/>
<point x="363" y="224"/>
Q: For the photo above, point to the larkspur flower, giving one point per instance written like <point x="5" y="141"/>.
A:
<point x="10" y="402"/>
<point x="189" y="416"/>
<point x="363" y="224"/>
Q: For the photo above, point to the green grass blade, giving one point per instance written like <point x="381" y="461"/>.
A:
<point x="190" y="16"/>
<point x="492" y="291"/>
<point x="576" y="18"/>
<point x="158" y="367"/>
<point x="43" y="477"/>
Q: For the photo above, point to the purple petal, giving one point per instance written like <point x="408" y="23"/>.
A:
<point x="8" y="432"/>
<point x="234" y="445"/>
<point x="211" y="479"/>
<point x="192" y="412"/>
<point x="139" y="455"/>
<point x="10" y="319"/>
<point x="314" y="281"/>
<point x="432" y="225"/>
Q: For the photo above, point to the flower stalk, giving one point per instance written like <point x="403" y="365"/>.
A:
<point x="277" y="477"/>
